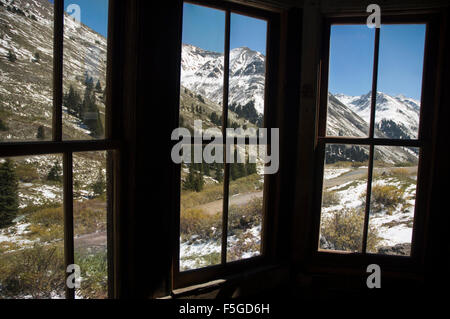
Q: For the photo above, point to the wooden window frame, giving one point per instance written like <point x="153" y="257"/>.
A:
<point x="181" y="279"/>
<point x="336" y="261"/>
<point x="110" y="144"/>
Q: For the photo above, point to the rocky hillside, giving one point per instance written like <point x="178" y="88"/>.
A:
<point x="26" y="64"/>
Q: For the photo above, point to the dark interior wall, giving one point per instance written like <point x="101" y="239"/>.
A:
<point x="151" y="83"/>
<point x="149" y="58"/>
<point x="437" y="257"/>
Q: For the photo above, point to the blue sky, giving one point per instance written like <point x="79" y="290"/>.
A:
<point x="205" y="27"/>
<point x="94" y="13"/>
<point x="400" y="61"/>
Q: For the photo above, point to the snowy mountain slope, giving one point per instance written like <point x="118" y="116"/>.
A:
<point x="202" y="72"/>
<point x="396" y="117"/>
<point x="26" y="89"/>
<point x="345" y="121"/>
<point x="26" y="29"/>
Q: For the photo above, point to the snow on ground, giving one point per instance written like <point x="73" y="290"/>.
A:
<point x="189" y="251"/>
<point x="393" y="229"/>
<point x="14" y="234"/>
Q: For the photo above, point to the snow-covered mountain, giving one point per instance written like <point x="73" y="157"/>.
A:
<point x="202" y="72"/>
<point x="26" y="31"/>
<point x="396" y="117"/>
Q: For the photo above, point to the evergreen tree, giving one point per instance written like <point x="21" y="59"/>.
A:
<point x="98" y="87"/>
<point x="91" y="114"/>
<point x="40" y="135"/>
<point x="251" y="168"/>
<point x="205" y="169"/>
<point x="9" y="200"/>
<point x="194" y="181"/>
<point x="11" y="57"/>
<point x="88" y="80"/>
<point x="72" y="101"/>
<point x="37" y="56"/>
<point x="219" y="175"/>
<point x="99" y="186"/>
<point x="3" y="126"/>
<point x="189" y="181"/>
<point x="54" y="175"/>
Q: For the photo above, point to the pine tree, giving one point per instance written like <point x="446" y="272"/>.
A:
<point x="40" y="135"/>
<point x="251" y="168"/>
<point x="54" y="175"/>
<point x="98" y="87"/>
<point x="9" y="200"/>
<point x="193" y="181"/>
<point x="199" y="182"/>
<point x="72" y="101"/>
<point x="219" y="175"/>
<point x="189" y="181"/>
<point x="3" y="126"/>
<point x="37" y="57"/>
<point x="91" y="114"/>
<point x="205" y="169"/>
<point x="99" y="186"/>
<point x="11" y="57"/>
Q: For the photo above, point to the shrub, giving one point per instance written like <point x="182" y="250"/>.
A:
<point x="89" y="217"/>
<point x="245" y="244"/>
<point x="330" y="198"/>
<point x="47" y="217"/>
<point x="343" y="230"/>
<point x="47" y="224"/>
<point x="195" y="223"/>
<point x="26" y="172"/>
<point x="386" y="197"/>
<point x="3" y="127"/>
<point x="37" y="272"/>
<point x="242" y="218"/>
<point x="94" y="273"/>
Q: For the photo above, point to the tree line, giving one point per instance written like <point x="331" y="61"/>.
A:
<point x="86" y="109"/>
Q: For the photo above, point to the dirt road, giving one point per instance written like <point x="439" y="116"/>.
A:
<point x="236" y="200"/>
<point x="361" y="173"/>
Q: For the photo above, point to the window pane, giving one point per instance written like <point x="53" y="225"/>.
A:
<point x="246" y="113"/>
<point x="90" y="223"/>
<point x="26" y="66"/>
<point x="245" y="213"/>
<point x="31" y="228"/>
<point x="343" y="197"/>
<point x="392" y="203"/>
<point x="85" y="55"/>
<point x="201" y="95"/>
<point x="350" y="80"/>
<point x="400" y="81"/>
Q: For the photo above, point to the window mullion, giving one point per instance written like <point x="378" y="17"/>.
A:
<point x="68" y="217"/>
<point x="58" y="36"/>
<point x="226" y="180"/>
<point x="371" y="136"/>
<point x="374" y="83"/>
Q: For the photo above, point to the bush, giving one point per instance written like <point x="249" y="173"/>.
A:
<point x="195" y="223"/>
<point x="89" y="217"/>
<point x="47" y="224"/>
<point x="47" y="217"/>
<point x="242" y="218"/>
<point x="26" y="172"/>
<point x="330" y="198"/>
<point x="3" y="127"/>
<point x="94" y="273"/>
<point x="343" y="230"/>
<point x="37" y="272"/>
<point x="386" y="197"/>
